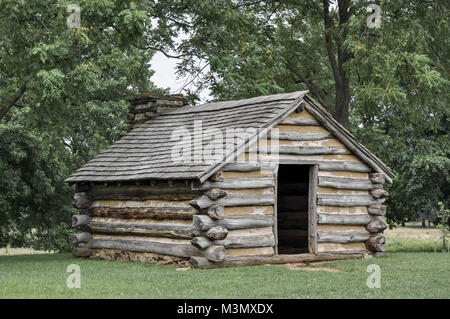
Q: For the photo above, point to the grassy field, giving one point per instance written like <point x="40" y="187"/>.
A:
<point x="403" y="275"/>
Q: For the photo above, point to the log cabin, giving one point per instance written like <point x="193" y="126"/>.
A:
<point x="266" y="180"/>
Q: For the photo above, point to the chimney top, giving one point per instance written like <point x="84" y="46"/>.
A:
<point x="143" y="107"/>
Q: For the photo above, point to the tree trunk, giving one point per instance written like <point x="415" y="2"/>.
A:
<point x="342" y="101"/>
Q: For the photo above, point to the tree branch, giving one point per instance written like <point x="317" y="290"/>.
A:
<point x="316" y="90"/>
<point x="13" y="101"/>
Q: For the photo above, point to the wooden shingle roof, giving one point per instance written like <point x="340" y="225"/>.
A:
<point x="145" y="153"/>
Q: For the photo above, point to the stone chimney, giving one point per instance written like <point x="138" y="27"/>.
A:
<point x="146" y="106"/>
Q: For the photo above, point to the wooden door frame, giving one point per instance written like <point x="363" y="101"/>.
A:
<point x="312" y="206"/>
<point x="275" y="210"/>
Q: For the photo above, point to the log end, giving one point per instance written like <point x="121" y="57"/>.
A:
<point x="201" y="262"/>
<point x="217" y="233"/>
<point x="377" y="210"/>
<point x="216" y="193"/>
<point x="217" y="177"/>
<point x="216" y="212"/>
<point x="214" y="253"/>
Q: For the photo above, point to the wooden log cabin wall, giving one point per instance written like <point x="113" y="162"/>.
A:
<point x="349" y="195"/>
<point x="321" y="200"/>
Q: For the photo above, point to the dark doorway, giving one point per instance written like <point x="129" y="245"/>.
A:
<point x="292" y="209"/>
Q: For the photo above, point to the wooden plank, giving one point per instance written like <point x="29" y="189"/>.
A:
<point x="239" y="183"/>
<point x="312" y="209"/>
<point x="247" y="241"/>
<point x="347" y="200"/>
<point x="342" y="237"/>
<point x="312" y="150"/>
<point x="122" y="225"/>
<point x="181" y="250"/>
<point x="328" y="142"/>
<point x="175" y="234"/>
<point x="247" y="174"/>
<point x="347" y="183"/>
<point x="242" y="167"/>
<point x="352" y="219"/>
<point x="255" y="251"/>
<point x="144" y="212"/>
<point x="198" y="262"/>
<point x="289" y="136"/>
<point x="266" y="191"/>
<point x="341" y="228"/>
<point x="338" y="191"/>
<point x="203" y="222"/>
<point x="326" y="162"/>
<point x="342" y="210"/>
<point x="344" y="174"/>
<point x="275" y="208"/>
<point x="349" y="248"/>
<point x="311" y="129"/>
<point x="249" y="210"/>
<point x="142" y="204"/>
<point x="301" y="121"/>
<point x="234" y="200"/>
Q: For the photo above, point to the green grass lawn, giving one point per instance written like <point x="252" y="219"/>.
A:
<point x="403" y="275"/>
<point x="410" y="269"/>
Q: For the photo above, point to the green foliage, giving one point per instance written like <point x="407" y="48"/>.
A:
<point x="34" y="200"/>
<point x="443" y="218"/>
<point x="442" y="222"/>
<point x="398" y="74"/>
<point x="73" y="106"/>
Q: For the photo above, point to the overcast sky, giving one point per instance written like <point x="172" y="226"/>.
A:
<point x="165" y="76"/>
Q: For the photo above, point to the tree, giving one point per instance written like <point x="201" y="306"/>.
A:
<point x="62" y="100"/>
<point x="324" y="46"/>
<point x="387" y="84"/>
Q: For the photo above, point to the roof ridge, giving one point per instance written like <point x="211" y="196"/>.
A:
<point x="220" y="105"/>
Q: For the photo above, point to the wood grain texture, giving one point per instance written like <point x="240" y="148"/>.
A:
<point x="351" y="219"/>
<point x="204" y="223"/>
<point x="174" y="249"/>
<point x="312" y="209"/>
<point x="348" y="183"/>
<point x="347" y="200"/>
<point x="342" y="237"/>
<point x="230" y="261"/>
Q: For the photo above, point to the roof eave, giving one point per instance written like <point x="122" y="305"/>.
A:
<point x="328" y="121"/>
